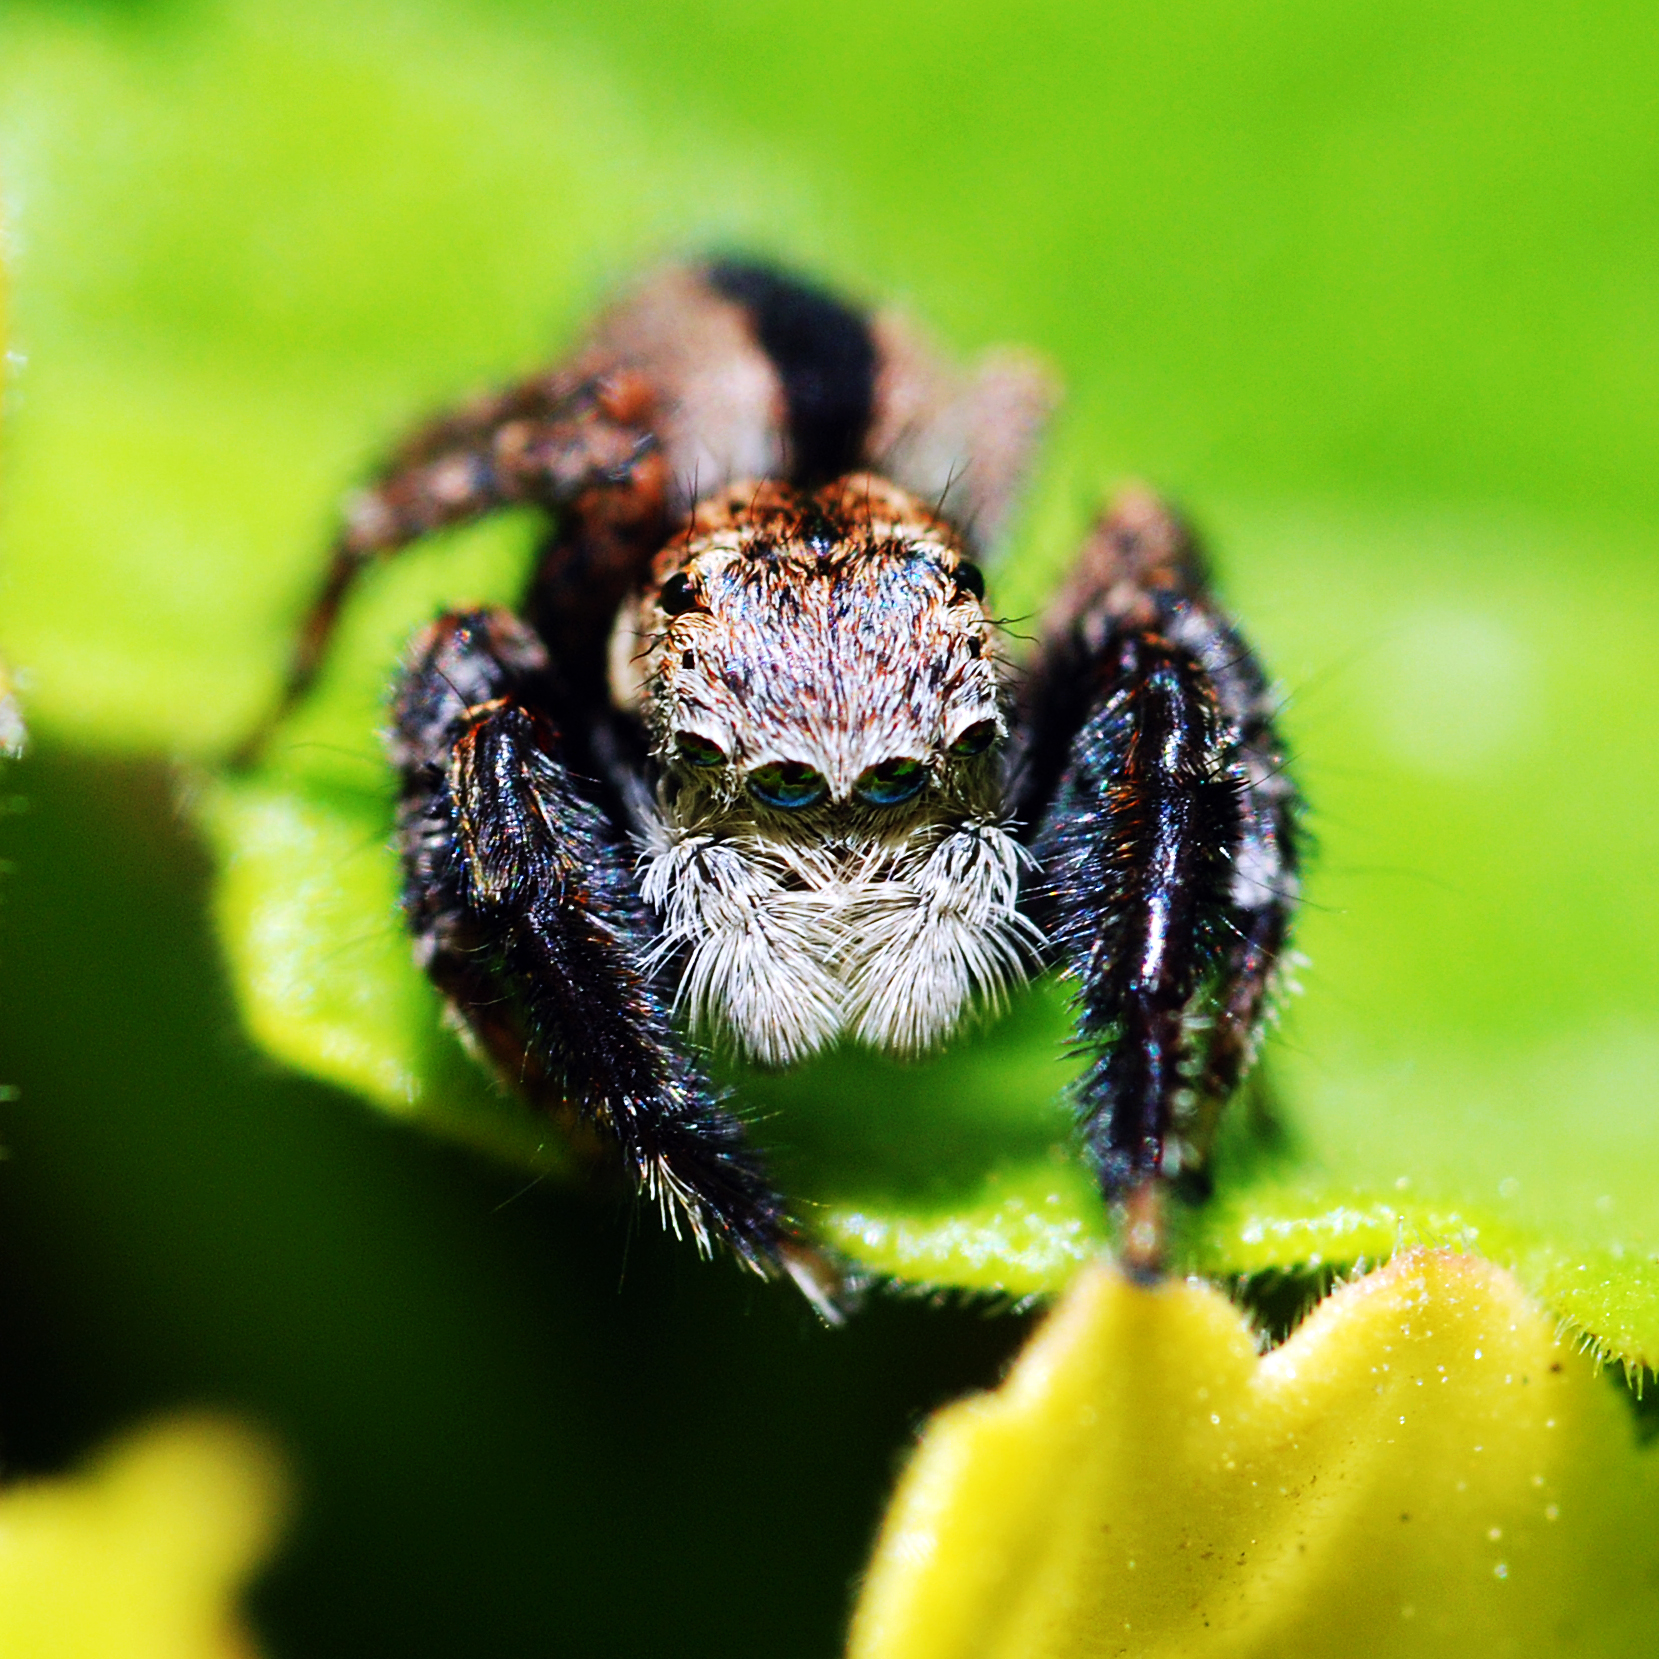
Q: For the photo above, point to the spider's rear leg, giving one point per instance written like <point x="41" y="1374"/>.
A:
<point x="1166" y="837"/>
<point x="525" y="911"/>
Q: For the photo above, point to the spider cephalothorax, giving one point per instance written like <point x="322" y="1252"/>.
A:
<point x="824" y="701"/>
<point x="801" y="794"/>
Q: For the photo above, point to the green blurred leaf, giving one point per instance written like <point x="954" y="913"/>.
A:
<point x="1384" y="325"/>
<point x="307" y="899"/>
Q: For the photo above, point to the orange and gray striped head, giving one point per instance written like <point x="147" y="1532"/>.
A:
<point x="808" y="653"/>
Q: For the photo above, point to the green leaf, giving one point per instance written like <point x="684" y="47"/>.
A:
<point x="307" y="898"/>
<point x="249" y="245"/>
<point x="1425" y="1467"/>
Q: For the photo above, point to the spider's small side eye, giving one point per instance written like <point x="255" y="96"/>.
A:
<point x="970" y="579"/>
<point x="890" y="781"/>
<point x="676" y="597"/>
<point x="699" y="751"/>
<point x="975" y="740"/>
<point x="787" y="784"/>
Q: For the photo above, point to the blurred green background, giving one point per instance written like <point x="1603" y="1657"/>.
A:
<point x="1375" y="292"/>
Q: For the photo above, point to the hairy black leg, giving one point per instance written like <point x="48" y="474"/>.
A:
<point x="1165" y="835"/>
<point x="1135" y="858"/>
<point x="523" y="904"/>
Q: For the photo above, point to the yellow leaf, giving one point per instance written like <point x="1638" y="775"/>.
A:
<point x="1426" y="1467"/>
<point x="139" y="1557"/>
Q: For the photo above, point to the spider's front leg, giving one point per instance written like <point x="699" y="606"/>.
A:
<point x="1165" y="834"/>
<point x="523" y="903"/>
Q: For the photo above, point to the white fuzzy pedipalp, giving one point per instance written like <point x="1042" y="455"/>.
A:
<point x="792" y="944"/>
<point x="752" y="972"/>
<point x="927" y="944"/>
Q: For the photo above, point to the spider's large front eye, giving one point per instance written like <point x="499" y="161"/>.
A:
<point x="970" y="579"/>
<point x="975" y="740"/>
<point x="890" y="782"/>
<point x="699" y="751"/>
<point x="787" y="784"/>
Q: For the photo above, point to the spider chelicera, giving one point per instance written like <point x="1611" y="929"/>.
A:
<point x="753" y="768"/>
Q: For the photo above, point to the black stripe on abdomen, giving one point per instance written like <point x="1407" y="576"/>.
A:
<point x="824" y="356"/>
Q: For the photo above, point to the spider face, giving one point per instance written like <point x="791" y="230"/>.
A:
<point x="824" y="654"/>
<point x="807" y="795"/>
<point x="824" y="696"/>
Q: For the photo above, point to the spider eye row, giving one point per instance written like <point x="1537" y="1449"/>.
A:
<point x="677" y="596"/>
<point x="791" y="784"/>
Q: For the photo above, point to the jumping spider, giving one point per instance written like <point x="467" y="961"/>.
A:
<point x="753" y="768"/>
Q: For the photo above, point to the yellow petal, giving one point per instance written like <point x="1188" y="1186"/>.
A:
<point x="139" y="1557"/>
<point x="1425" y="1467"/>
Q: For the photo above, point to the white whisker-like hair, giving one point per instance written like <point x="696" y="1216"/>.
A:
<point x="789" y="946"/>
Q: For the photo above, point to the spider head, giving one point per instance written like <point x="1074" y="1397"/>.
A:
<point x="806" y="658"/>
